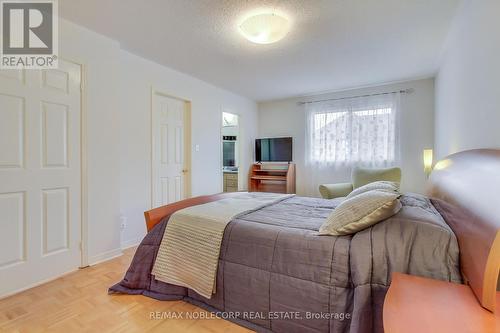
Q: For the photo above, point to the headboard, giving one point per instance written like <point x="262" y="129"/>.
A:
<point x="465" y="188"/>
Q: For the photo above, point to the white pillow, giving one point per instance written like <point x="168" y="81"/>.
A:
<point x="379" y="185"/>
<point x="361" y="212"/>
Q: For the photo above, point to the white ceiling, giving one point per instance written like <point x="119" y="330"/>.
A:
<point x="333" y="44"/>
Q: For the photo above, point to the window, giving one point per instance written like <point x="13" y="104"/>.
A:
<point x="356" y="132"/>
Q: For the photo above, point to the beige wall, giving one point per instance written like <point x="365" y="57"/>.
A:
<point x="137" y="76"/>
<point x="118" y="109"/>
<point x="468" y="83"/>
<point x="286" y="118"/>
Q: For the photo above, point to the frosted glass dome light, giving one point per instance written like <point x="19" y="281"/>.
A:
<point x="265" y="28"/>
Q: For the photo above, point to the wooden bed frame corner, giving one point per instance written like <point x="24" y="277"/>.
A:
<point x="155" y="215"/>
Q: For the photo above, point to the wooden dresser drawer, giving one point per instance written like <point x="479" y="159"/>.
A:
<point x="231" y="189"/>
<point x="232" y="182"/>
<point x="231" y="176"/>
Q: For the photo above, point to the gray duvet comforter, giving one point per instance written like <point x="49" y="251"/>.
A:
<point x="276" y="274"/>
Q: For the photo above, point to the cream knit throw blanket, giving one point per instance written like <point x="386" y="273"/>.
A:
<point x="189" y="251"/>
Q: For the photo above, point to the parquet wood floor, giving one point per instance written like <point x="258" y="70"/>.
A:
<point x="79" y="302"/>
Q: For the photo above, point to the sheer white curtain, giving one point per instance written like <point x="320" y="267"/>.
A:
<point x="352" y="132"/>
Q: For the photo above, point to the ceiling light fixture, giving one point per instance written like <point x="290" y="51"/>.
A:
<point x="265" y="28"/>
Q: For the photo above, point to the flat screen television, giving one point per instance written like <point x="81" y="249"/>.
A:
<point x="273" y="150"/>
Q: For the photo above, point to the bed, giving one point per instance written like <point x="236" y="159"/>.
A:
<point x="276" y="274"/>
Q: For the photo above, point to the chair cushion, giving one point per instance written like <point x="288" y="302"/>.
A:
<point x="361" y="212"/>
<point x="363" y="176"/>
<point x="332" y="191"/>
<point x="380" y="185"/>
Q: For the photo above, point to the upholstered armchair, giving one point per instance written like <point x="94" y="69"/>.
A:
<point x="359" y="177"/>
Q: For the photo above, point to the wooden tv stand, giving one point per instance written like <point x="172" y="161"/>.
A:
<point x="272" y="177"/>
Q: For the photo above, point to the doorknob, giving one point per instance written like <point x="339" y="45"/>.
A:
<point x="184" y="170"/>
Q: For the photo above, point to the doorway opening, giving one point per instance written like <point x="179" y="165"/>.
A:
<point x="230" y="133"/>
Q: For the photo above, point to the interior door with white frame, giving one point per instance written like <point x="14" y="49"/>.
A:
<point x="40" y="175"/>
<point x="170" y="163"/>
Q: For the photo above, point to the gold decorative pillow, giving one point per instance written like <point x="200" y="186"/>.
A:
<point x="380" y="185"/>
<point x="361" y="212"/>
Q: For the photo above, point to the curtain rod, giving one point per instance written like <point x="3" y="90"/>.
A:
<point x="405" y="91"/>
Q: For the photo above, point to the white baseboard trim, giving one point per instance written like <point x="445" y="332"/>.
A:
<point x="131" y="242"/>
<point x="105" y="256"/>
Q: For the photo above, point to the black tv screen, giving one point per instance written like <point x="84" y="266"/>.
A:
<point x="273" y="150"/>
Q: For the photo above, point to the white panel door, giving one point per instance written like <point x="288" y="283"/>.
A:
<point x="40" y="186"/>
<point x="168" y="121"/>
